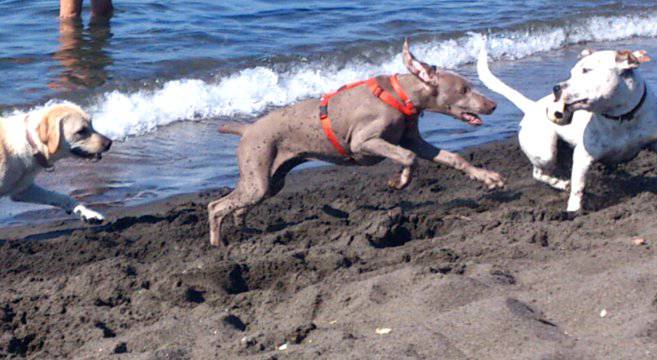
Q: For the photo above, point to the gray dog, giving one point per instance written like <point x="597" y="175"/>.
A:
<point x="369" y="122"/>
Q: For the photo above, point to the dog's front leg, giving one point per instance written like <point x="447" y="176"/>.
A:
<point x="424" y="150"/>
<point x="490" y="178"/>
<point x="582" y="162"/>
<point x="38" y="195"/>
<point x="398" y="154"/>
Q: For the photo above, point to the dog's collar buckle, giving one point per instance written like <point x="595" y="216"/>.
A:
<point x="39" y="157"/>
<point x="630" y="115"/>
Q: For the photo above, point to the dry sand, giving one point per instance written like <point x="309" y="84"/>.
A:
<point x="340" y="267"/>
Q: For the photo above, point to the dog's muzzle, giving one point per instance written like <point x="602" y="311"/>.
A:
<point x="94" y="157"/>
<point x="107" y="144"/>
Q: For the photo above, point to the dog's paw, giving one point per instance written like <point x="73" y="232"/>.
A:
<point x="563" y="185"/>
<point x="397" y="183"/>
<point x="402" y="180"/>
<point x="216" y="240"/>
<point x="88" y="216"/>
<point x="491" y="179"/>
<point x="571" y="215"/>
<point x="574" y="205"/>
<point x="394" y="183"/>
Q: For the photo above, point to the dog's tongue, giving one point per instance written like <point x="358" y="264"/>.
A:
<point x="472" y="119"/>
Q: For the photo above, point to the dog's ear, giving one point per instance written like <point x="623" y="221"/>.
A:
<point x="50" y="131"/>
<point x="422" y="71"/>
<point x="627" y="59"/>
<point x="586" y="52"/>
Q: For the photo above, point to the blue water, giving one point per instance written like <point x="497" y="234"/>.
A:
<point x="160" y="75"/>
<point x="148" y="41"/>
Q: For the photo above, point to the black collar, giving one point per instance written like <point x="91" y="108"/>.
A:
<point x="39" y="157"/>
<point x="630" y="115"/>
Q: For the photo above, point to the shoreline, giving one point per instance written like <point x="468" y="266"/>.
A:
<point x="451" y="269"/>
<point x="296" y="181"/>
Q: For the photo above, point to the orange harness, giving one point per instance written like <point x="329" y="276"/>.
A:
<point x="405" y="107"/>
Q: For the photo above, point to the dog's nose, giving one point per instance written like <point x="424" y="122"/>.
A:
<point x="556" y="90"/>
<point x="489" y="107"/>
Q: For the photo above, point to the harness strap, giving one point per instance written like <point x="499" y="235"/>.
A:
<point x="405" y="107"/>
<point x="326" y="121"/>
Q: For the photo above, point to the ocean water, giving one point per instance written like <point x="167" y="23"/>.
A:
<point x="160" y="76"/>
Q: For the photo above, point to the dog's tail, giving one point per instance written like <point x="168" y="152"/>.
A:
<point x="233" y="128"/>
<point x="495" y="84"/>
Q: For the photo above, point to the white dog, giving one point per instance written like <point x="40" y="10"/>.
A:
<point x="33" y="142"/>
<point x="606" y="111"/>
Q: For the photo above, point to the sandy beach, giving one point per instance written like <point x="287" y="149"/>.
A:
<point x="338" y="266"/>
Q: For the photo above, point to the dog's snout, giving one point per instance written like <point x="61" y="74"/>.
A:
<point x="557" y="90"/>
<point x="486" y="106"/>
<point x="490" y="107"/>
<point x="493" y="106"/>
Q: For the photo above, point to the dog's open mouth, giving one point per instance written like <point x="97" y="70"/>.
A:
<point x="85" y="155"/>
<point x="576" y="104"/>
<point x="472" y="119"/>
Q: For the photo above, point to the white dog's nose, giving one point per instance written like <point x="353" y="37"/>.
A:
<point x="556" y="90"/>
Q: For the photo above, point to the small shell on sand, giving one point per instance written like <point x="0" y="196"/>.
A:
<point x="603" y="313"/>
<point x="383" y="331"/>
<point x="639" y="241"/>
<point x="283" y="347"/>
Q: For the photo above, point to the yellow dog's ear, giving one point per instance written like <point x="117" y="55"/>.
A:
<point x="49" y="131"/>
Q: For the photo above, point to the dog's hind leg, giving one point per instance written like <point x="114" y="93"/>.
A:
<point x="251" y="189"/>
<point x="248" y="192"/>
<point x="283" y="164"/>
<point x="540" y="146"/>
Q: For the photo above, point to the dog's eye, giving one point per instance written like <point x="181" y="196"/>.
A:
<point x="82" y="131"/>
<point x="463" y="90"/>
<point x="584" y="71"/>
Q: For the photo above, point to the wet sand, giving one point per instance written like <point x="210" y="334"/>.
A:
<point x="444" y="269"/>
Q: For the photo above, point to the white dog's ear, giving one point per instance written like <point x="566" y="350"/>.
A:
<point x="586" y="52"/>
<point x="631" y="59"/>
<point x="49" y="131"/>
<point x="422" y="71"/>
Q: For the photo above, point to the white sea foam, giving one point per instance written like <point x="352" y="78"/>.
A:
<point x="249" y="91"/>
